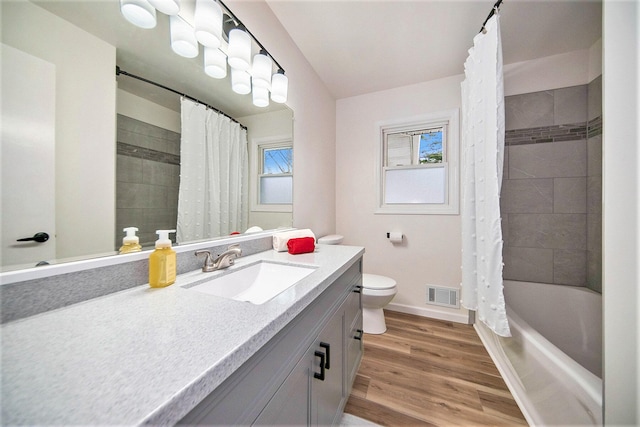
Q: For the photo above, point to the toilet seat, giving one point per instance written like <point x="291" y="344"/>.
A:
<point x="376" y="282"/>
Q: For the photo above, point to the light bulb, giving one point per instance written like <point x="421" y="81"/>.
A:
<point x="208" y="23"/>
<point x="261" y="70"/>
<point x="239" y="49"/>
<point x="139" y="12"/>
<point x="183" y="40"/>
<point x="260" y="96"/>
<point x="279" y="87"/>
<point x="240" y="81"/>
<point x="215" y="63"/>
<point x="168" y="7"/>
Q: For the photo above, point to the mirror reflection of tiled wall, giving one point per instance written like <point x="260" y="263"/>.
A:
<point x="552" y="186"/>
<point x="147" y="179"/>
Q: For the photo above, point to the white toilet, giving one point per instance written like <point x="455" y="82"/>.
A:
<point x="377" y="292"/>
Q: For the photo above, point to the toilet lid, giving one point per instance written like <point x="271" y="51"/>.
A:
<point x="331" y="239"/>
<point x="373" y="281"/>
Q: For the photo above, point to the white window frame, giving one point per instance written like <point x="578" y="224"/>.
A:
<point x="255" y="172"/>
<point x="451" y="146"/>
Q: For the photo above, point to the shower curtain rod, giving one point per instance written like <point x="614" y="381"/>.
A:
<point x="493" y="11"/>
<point x="124" y="73"/>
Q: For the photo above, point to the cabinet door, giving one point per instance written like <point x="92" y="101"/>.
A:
<point x="353" y="336"/>
<point x="290" y="404"/>
<point x="354" y="352"/>
<point x="327" y="395"/>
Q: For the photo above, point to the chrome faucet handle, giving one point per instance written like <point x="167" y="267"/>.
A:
<point x="227" y="258"/>
<point x="234" y="252"/>
<point x="208" y="261"/>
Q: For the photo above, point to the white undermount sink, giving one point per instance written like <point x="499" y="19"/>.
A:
<point x="256" y="283"/>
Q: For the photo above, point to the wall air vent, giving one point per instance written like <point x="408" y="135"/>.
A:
<point x="447" y="297"/>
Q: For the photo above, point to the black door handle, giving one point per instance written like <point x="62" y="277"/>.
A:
<point x="40" y="237"/>
<point x="359" y="333"/>
<point x="327" y="347"/>
<point x="320" y="375"/>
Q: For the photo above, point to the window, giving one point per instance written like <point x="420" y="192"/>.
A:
<point x="274" y="176"/>
<point x="418" y="165"/>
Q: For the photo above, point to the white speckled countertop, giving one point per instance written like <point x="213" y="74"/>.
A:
<point x="145" y="355"/>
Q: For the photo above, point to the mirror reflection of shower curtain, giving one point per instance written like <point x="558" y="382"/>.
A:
<point x="213" y="197"/>
<point x="483" y="150"/>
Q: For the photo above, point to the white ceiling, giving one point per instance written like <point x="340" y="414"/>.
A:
<point x="355" y="46"/>
<point x="359" y="46"/>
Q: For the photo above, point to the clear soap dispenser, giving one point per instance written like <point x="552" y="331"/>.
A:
<point x="130" y="242"/>
<point x="162" y="261"/>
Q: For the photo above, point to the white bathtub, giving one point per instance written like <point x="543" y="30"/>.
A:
<point x="551" y="387"/>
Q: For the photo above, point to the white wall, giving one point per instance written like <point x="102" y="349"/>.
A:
<point x="85" y="130"/>
<point x="146" y="111"/>
<point x="432" y="253"/>
<point x="554" y="72"/>
<point x="621" y="211"/>
<point x="314" y="131"/>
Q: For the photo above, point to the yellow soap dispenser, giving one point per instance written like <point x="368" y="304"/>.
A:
<point x="130" y="242"/>
<point x="162" y="261"/>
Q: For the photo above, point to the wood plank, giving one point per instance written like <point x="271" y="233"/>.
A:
<point x="381" y="414"/>
<point x="465" y="371"/>
<point x="429" y="372"/>
<point x="429" y="385"/>
<point x="441" y="412"/>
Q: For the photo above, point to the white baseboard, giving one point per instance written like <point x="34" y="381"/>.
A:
<point x="432" y="313"/>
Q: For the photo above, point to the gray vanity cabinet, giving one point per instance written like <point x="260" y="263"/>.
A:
<point x="284" y="382"/>
<point x="313" y="392"/>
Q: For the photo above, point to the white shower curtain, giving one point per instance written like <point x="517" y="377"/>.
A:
<point x="213" y="196"/>
<point x="483" y="151"/>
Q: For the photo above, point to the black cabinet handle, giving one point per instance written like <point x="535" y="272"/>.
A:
<point x="327" y="347"/>
<point x="359" y="333"/>
<point x="40" y="237"/>
<point x="320" y="375"/>
<point x="357" y="289"/>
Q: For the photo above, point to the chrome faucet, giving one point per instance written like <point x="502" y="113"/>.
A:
<point x="224" y="260"/>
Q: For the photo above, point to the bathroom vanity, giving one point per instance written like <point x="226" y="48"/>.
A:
<point x="177" y="356"/>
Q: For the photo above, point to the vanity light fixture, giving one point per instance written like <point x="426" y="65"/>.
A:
<point x="168" y="7"/>
<point x="183" y="38"/>
<point x="208" y="26"/>
<point x="139" y="12"/>
<point x="208" y="23"/>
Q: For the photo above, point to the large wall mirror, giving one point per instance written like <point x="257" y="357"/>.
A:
<point x="99" y="152"/>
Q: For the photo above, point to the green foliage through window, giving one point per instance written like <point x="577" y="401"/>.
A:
<point x="431" y="147"/>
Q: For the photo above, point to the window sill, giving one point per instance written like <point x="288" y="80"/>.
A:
<point x="272" y="208"/>
<point x="418" y="210"/>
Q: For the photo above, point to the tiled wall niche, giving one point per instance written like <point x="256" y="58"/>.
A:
<point x="147" y="179"/>
<point x="552" y="186"/>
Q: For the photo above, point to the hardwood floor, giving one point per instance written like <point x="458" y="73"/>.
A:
<point x="430" y="372"/>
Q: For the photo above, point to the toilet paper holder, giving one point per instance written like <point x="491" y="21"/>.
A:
<point x="395" y="237"/>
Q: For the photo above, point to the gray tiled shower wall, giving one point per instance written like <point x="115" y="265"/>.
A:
<point x="147" y="179"/>
<point x="552" y="186"/>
